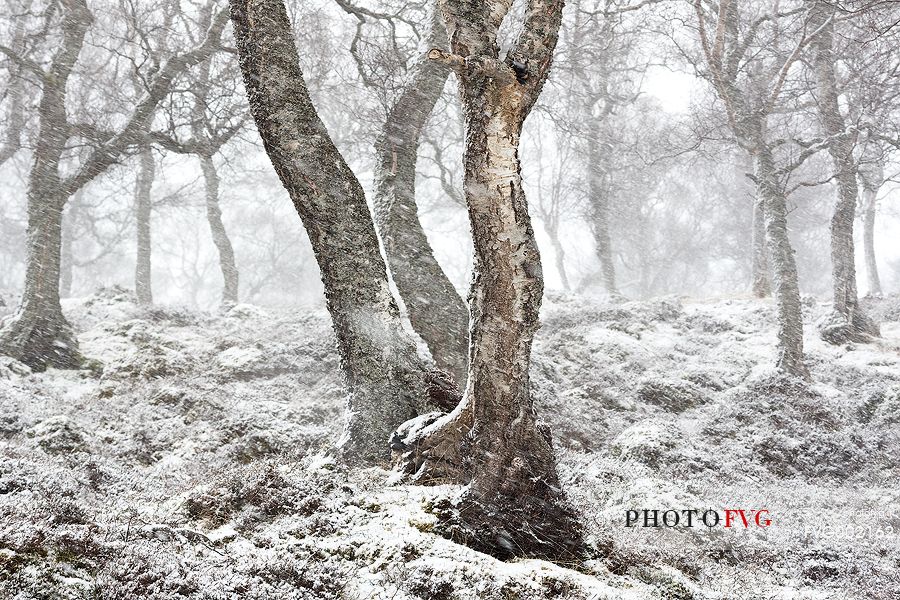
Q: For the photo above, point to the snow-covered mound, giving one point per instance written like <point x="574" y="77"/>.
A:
<point x="187" y="462"/>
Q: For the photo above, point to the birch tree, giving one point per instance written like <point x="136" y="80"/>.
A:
<point x="492" y="442"/>
<point x="847" y="321"/>
<point x="748" y="54"/>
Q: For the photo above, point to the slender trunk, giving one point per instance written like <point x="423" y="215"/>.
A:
<point x="787" y="289"/>
<point x="388" y="383"/>
<point x="492" y="441"/>
<point x="762" y="286"/>
<point x="143" y="280"/>
<point x="869" y="204"/>
<point x="67" y="257"/>
<point x="436" y="310"/>
<point x="219" y="233"/>
<point x="849" y="323"/>
<point x="38" y="333"/>
<point x="760" y="274"/>
<point x="599" y="203"/>
<point x="871" y="178"/>
<point x="559" y="255"/>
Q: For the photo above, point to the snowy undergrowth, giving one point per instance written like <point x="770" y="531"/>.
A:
<point x="186" y="462"/>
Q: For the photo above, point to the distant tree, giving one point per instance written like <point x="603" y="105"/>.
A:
<point x="748" y="54"/>
<point x="848" y="322"/>
<point x="38" y="333"/>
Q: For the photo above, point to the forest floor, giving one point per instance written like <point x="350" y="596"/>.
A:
<point x="187" y="463"/>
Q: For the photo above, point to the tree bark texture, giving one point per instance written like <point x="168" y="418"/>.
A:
<point x="143" y="200"/>
<point x="787" y="289"/>
<point x="848" y="323"/>
<point x="435" y="309"/>
<point x="388" y="383"/>
<point x="513" y="504"/>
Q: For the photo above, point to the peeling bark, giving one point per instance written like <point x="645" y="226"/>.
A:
<point x="388" y="383"/>
<point x="435" y="309"/>
<point x="492" y="441"/>
<point x="143" y="280"/>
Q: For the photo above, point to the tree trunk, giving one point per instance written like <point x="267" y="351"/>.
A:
<point x="38" y="333"/>
<point x="848" y="323"/>
<point x="436" y="310"/>
<point x="871" y="177"/>
<point x="388" y="383"/>
<point x="762" y="287"/>
<point x="787" y="289"/>
<point x="599" y="203"/>
<point x="559" y="254"/>
<point x="870" y="195"/>
<point x="760" y="274"/>
<point x="67" y="257"/>
<point x="219" y="234"/>
<point x="143" y="279"/>
<point x="512" y="504"/>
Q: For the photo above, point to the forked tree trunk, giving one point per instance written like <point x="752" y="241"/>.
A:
<point x="435" y="309"/>
<point x="388" y="383"/>
<point x="787" y="289"/>
<point x="512" y="504"/>
<point x="599" y="203"/>
<point x="848" y="322"/>
<point x="38" y="333"/>
<point x="219" y="233"/>
<point x="143" y="200"/>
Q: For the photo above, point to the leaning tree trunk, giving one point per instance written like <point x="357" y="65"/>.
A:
<point x="38" y="333"/>
<point x="435" y="309"/>
<point x="848" y="322"/>
<point x="787" y="289"/>
<point x="387" y="381"/>
<point x="598" y="199"/>
<point x="219" y="233"/>
<point x="143" y="280"/>
<point x="492" y="441"/>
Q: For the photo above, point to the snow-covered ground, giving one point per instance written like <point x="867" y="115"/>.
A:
<point x="187" y="463"/>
